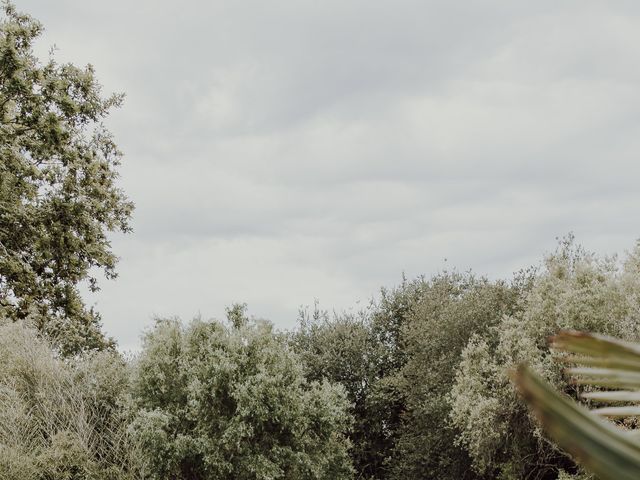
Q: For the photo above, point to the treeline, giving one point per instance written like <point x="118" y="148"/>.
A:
<point x="427" y="368"/>
<point x="415" y="386"/>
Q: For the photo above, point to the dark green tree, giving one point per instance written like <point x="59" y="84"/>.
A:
<point x="340" y="350"/>
<point x="58" y="193"/>
<point x="452" y="309"/>
<point x="364" y="353"/>
<point x="397" y="361"/>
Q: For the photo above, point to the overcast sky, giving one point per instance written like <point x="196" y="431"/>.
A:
<point x="283" y="151"/>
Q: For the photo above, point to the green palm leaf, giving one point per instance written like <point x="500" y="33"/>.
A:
<point x="600" y="446"/>
<point x="603" y="448"/>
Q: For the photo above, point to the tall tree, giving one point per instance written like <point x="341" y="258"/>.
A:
<point x="58" y="193"/>
<point x="341" y="350"/>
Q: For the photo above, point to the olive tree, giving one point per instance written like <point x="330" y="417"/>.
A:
<point x="216" y="401"/>
<point x="452" y="308"/>
<point x="342" y="350"/>
<point x="363" y="352"/>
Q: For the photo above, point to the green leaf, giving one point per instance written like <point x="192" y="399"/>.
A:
<point x="617" y="412"/>
<point x="601" y="362"/>
<point x="605" y="377"/>
<point x="617" y="396"/>
<point x="601" y="447"/>
<point x="598" y="346"/>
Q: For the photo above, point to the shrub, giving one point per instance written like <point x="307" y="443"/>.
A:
<point x="231" y="402"/>
<point x="60" y="419"/>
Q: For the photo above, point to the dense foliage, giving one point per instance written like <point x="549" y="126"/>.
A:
<point x="60" y="419"/>
<point x="426" y="368"/>
<point x="344" y="351"/>
<point x="398" y="360"/>
<point x="576" y="290"/>
<point x="205" y="401"/>
<point x="216" y="402"/>
<point x="58" y="196"/>
<point x="414" y="386"/>
<point x="450" y="312"/>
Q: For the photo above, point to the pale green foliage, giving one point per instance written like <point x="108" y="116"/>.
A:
<point x="60" y="419"/>
<point x="58" y="192"/>
<point x="575" y="291"/>
<point x="218" y="402"/>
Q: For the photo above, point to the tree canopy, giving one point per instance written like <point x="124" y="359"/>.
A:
<point x="231" y="402"/>
<point x="58" y="193"/>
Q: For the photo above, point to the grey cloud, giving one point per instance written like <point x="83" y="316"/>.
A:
<point x="283" y="151"/>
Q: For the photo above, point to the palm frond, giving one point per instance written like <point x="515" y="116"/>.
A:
<point x="602" y="447"/>
<point x="599" y="445"/>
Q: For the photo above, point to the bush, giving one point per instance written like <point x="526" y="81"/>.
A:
<point x="60" y="419"/>
<point x="232" y="402"/>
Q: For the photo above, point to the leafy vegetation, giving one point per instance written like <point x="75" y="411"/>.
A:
<point x="231" y="402"/>
<point x="575" y="291"/>
<point x="202" y="401"/>
<point x="58" y="192"/>
<point x="61" y="419"/>
<point x="451" y="311"/>
<point x="414" y="386"/>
